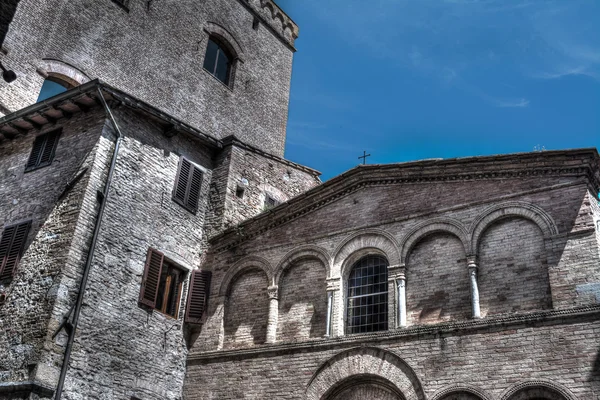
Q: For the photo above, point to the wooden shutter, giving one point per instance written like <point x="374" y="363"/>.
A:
<point x="197" y="296"/>
<point x="188" y="184"/>
<point x="12" y="244"/>
<point x="151" y="279"/>
<point x="42" y="151"/>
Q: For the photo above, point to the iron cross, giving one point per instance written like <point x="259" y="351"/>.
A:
<point x="364" y="157"/>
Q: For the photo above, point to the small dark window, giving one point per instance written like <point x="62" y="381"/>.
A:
<point x="42" y="152"/>
<point x="255" y="23"/>
<point x="12" y="244"/>
<point x="188" y="184"/>
<point x="161" y="285"/>
<point x="218" y="61"/>
<point x="270" y="201"/>
<point x="197" y="297"/>
<point x="367" y="307"/>
<point x="239" y="192"/>
<point x="123" y="3"/>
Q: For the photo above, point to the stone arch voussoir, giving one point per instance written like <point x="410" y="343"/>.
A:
<point x="51" y="68"/>
<point x="302" y="252"/>
<point x="432" y="226"/>
<point x="536" y="388"/>
<point x="221" y="33"/>
<point x="364" y="240"/>
<point x="511" y="209"/>
<point x="460" y="388"/>
<point x="360" y="362"/>
<point x="247" y="263"/>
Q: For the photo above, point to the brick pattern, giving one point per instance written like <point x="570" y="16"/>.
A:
<point x="437" y="281"/>
<point x="302" y="302"/>
<point x="513" y="269"/>
<point x="247" y="311"/>
<point x="171" y="77"/>
<point x="365" y="391"/>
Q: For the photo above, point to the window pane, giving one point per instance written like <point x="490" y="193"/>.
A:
<point x="222" y="71"/>
<point x="210" y="59"/>
<point x="50" y="89"/>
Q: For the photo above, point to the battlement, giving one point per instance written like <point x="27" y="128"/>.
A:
<point x="276" y="18"/>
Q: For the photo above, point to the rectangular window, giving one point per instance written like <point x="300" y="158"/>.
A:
<point x="270" y="202"/>
<point x="12" y="244"/>
<point x="162" y="284"/>
<point x="42" y="152"/>
<point x="188" y="184"/>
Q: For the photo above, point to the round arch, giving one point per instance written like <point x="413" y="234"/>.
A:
<point x="298" y="253"/>
<point x="536" y="389"/>
<point x="361" y="243"/>
<point x="365" y="362"/>
<point x="511" y="209"/>
<point x="63" y="72"/>
<point x="461" y="388"/>
<point x="429" y="227"/>
<point x="247" y="263"/>
<point x="214" y="29"/>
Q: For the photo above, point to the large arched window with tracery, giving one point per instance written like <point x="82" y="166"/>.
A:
<point x="367" y="296"/>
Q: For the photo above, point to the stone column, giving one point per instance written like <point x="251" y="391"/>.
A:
<point x="273" y="292"/>
<point x="472" y="265"/>
<point x="397" y="273"/>
<point x="333" y="308"/>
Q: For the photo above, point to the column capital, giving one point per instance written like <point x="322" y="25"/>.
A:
<point x="333" y="284"/>
<point x="472" y="261"/>
<point x="397" y="272"/>
<point x="273" y="292"/>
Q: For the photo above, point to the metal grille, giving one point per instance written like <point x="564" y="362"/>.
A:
<point x="368" y="296"/>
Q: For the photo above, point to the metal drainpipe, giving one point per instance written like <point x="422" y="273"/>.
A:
<point x="90" y="256"/>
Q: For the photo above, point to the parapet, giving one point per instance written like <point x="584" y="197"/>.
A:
<point x="276" y="18"/>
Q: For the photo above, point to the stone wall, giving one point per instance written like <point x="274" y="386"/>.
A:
<point x="55" y="240"/>
<point x="100" y="39"/>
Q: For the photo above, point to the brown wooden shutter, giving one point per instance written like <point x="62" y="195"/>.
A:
<point x="151" y="279"/>
<point x="42" y="151"/>
<point x="12" y="244"/>
<point x="197" y="296"/>
<point x="188" y="184"/>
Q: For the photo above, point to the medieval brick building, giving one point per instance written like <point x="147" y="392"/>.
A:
<point x="155" y="244"/>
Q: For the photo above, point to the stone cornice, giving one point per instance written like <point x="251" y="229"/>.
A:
<point x="275" y="19"/>
<point x="551" y="317"/>
<point x="568" y="163"/>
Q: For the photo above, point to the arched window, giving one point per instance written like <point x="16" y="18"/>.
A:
<point x="54" y="85"/>
<point x="367" y="301"/>
<point x="218" y="60"/>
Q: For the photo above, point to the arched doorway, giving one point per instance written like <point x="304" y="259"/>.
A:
<point x="364" y="387"/>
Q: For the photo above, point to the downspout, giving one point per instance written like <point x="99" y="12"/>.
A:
<point x="88" y="263"/>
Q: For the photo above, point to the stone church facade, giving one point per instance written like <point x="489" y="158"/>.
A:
<point x="155" y="244"/>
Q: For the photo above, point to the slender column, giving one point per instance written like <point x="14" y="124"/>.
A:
<point x="329" y="312"/>
<point x="472" y="265"/>
<point x="401" y="301"/>
<point x="273" y="314"/>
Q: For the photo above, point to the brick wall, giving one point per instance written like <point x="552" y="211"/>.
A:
<point x="99" y="39"/>
<point x="437" y="283"/>
<point x="513" y="268"/>
<point x="302" y="302"/>
<point x="247" y="311"/>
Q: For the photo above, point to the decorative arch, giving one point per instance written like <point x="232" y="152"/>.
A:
<point x="538" y="388"/>
<point x="361" y="362"/>
<point x="511" y="209"/>
<point x="459" y="388"/>
<point x="429" y="227"/>
<point x="214" y="29"/>
<point x="307" y="251"/>
<point x="242" y="265"/>
<point x="55" y="69"/>
<point x="351" y="248"/>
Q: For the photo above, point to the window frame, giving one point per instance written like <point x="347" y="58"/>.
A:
<point x="359" y="263"/>
<point x="226" y="49"/>
<point x="39" y="145"/>
<point x="157" y="260"/>
<point x="185" y="200"/>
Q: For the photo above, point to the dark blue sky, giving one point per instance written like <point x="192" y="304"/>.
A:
<point x="407" y="80"/>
